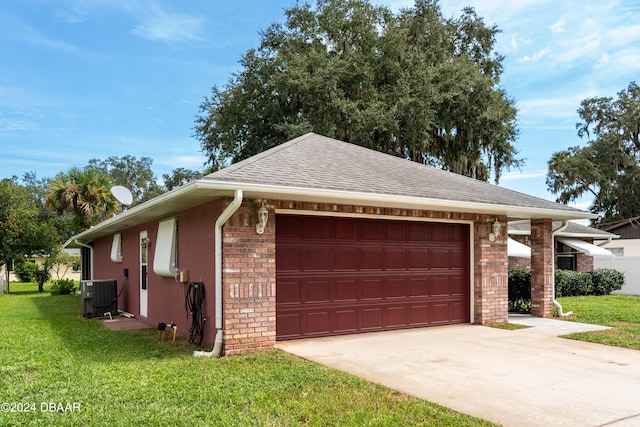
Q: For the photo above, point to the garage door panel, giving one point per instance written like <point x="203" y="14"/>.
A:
<point x="370" y="289"/>
<point x="318" y="322"/>
<point x="289" y="292"/>
<point x="316" y="291"/>
<point x="370" y="258"/>
<point x="288" y="325"/>
<point x="395" y="231"/>
<point x="395" y="288"/>
<point x="439" y="313"/>
<point x="459" y="311"/>
<point x="345" y="258"/>
<point x="418" y="315"/>
<point x="439" y="257"/>
<point x="394" y="258"/>
<point x="418" y="286"/>
<point x="345" y="321"/>
<point x="289" y="259"/>
<point x="345" y="229"/>
<point x="356" y="275"/>
<point x="440" y="286"/>
<point x="316" y="228"/>
<point x="459" y="287"/>
<point x="418" y="258"/>
<point x="370" y="318"/>
<point x="316" y="258"/>
<point x="371" y="230"/>
<point x="396" y="317"/>
<point x="345" y="290"/>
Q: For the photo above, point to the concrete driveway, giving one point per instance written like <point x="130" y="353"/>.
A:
<point x="526" y="377"/>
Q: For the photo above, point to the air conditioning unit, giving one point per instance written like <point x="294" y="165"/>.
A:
<point x="99" y="297"/>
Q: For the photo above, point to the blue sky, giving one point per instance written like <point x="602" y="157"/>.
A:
<point x="82" y="79"/>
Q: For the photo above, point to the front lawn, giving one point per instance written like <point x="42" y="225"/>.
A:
<point x="620" y="312"/>
<point x="59" y="369"/>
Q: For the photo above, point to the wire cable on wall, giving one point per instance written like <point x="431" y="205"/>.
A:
<point x="193" y="305"/>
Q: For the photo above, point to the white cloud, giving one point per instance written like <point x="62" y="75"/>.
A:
<point x="513" y="176"/>
<point x="159" y="25"/>
<point x="558" y="26"/>
<point x="536" y="56"/>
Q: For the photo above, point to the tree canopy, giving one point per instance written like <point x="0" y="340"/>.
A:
<point x="23" y="231"/>
<point x="412" y="84"/>
<point x="131" y="172"/>
<point x="607" y="167"/>
<point x="84" y="193"/>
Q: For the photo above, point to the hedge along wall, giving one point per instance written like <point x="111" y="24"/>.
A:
<point x="568" y="283"/>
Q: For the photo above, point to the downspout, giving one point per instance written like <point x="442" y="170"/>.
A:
<point x="90" y="252"/>
<point x="564" y="225"/>
<point x="222" y="219"/>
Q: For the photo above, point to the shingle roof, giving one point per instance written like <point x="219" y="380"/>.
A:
<point x="318" y="162"/>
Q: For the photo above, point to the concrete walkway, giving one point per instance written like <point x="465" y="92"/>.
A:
<point x="526" y="377"/>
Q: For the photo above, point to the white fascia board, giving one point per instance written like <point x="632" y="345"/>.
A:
<point x="389" y="200"/>
<point x="204" y="188"/>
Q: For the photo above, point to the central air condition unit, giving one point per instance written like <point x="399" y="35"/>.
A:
<point x="99" y="297"/>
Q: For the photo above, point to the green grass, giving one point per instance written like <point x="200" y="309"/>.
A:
<point x="507" y="326"/>
<point x="620" y="312"/>
<point x="49" y="353"/>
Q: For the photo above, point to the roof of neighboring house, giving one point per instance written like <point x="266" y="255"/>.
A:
<point x="573" y="229"/>
<point x="320" y="169"/>
<point x="633" y="222"/>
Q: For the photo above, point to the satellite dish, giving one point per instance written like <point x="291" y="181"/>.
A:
<point x="122" y="194"/>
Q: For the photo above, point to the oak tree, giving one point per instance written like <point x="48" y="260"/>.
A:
<point x="410" y="83"/>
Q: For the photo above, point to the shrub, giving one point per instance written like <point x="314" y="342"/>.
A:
<point x="571" y="283"/>
<point x="63" y="287"/>
<point x="26" y="271"/>
<point x="605" y="280"/>
<point x="520" y="291"/>
<point x="41" y="276"/>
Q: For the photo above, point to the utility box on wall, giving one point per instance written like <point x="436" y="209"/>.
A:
<point x="99" y="297"/>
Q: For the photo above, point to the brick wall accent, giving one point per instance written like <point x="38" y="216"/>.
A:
<point x="584" y="263"/>
<point x="491" y="290"/>
<point x="249" y="268"/>
<point x="249" y="281"/>
<point x="541" y="268"/>
<point x="519" y="263"/>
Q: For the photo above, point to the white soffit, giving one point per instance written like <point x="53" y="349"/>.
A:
<point x="164" y="258"/>
<point x="517" y="249"/>
<point x="586" y="247"/>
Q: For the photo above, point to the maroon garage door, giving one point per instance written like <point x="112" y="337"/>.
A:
<point x="343" y="275"/>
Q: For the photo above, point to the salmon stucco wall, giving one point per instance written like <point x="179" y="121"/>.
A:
<point x="166" y="297"/>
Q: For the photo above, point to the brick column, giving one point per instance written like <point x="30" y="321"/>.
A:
<point x="541" y="268"/>
<point x="249" y="281"/>
<point x="491" y="276"/>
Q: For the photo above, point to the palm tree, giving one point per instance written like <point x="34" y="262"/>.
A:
<point x="84" y="193"/>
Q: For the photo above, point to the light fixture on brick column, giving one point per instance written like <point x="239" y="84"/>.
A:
<point x="495" y="230"/>
<point x="263" y="217"/>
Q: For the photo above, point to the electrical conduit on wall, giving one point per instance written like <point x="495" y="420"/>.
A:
<point x="222" y="219"/>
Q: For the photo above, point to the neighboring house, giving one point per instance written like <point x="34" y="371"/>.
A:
<point x="63" y="271"/>
<point x="575" y="245"/>
<point x="629" y="242"/>
<point x="318" y="237"/>
<point x="627" y="254"/>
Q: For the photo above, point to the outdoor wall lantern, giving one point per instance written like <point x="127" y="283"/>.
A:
<point x="263" y="217"/>
<point x="144" y="243"/>
<point x="495" y="230"/>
